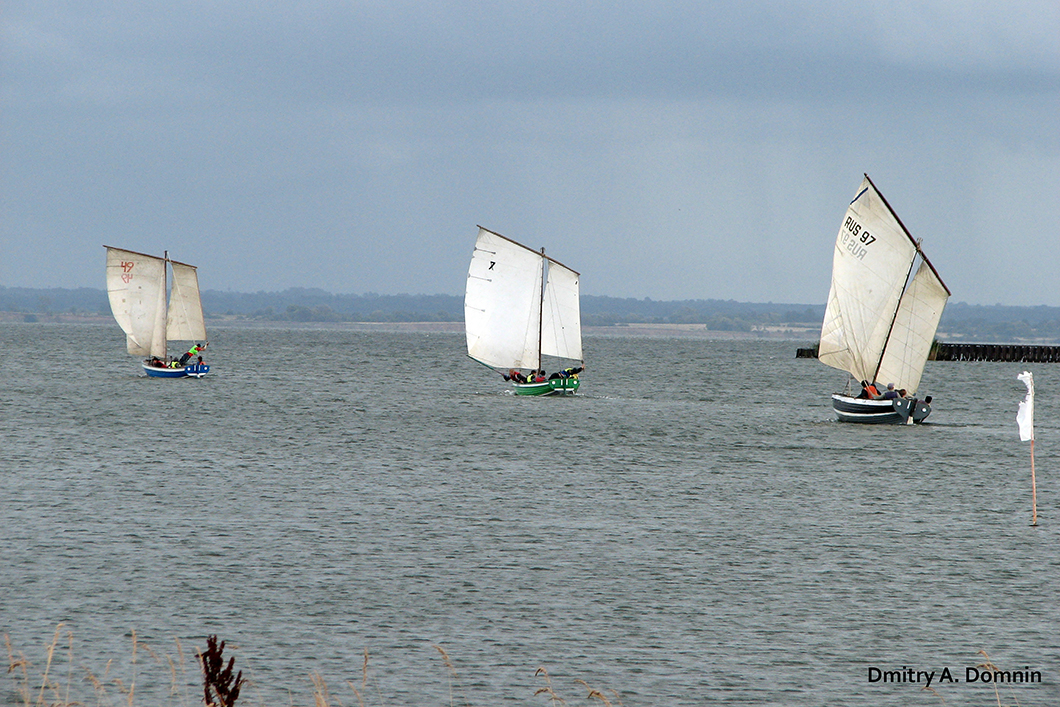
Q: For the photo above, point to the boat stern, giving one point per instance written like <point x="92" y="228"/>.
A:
<point x="195" y="371"/>
<point x="556" y="386"/>
<point x="902" y="411"/>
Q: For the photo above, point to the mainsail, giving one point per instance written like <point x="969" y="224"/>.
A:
<point x="879" y="324"/>
<point x="510" y="319"/>
<point x="136" y="287"/>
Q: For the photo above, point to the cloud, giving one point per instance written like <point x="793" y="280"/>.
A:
<point x="671" y="150"/>
<point x="456" y="51"/>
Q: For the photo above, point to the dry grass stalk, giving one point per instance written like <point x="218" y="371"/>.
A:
<point x="100" y="684"/>
<point x="221" y="688"/>
<point x="321" y="697"/>
<point x="364" y="683"/>
<point x="48" y="665"/>
<point x="21" y="665"/>
<point x="364" y="670"/>
<point x="357" y="693"/>
<point x="364" y="680"/>
<point x="97" y="684"/>
<point x="452" y="674"/>
<point x="596" y="694"/>
<point x="173" y="689"/>
<point x="988" y="665"/>
<point x="132" y="684"/>
<point x="928" y="688"/>
<point x="547" y="689"/>
<point x="108" y="689"/>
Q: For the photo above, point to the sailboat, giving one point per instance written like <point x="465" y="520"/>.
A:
<point x="884" y="307"/>
<point x="136" y="285"/>
<point x="521" y="304"/>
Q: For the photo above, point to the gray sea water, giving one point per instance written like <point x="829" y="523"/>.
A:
<point x="692" y="528"/>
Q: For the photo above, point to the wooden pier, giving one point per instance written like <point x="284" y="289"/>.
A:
<point x="996" y="352"/>
<point x="1021" y="353"/>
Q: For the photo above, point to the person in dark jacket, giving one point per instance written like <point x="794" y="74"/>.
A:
<point x="889" y="394"/>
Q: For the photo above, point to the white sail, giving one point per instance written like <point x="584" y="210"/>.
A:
<point x="561" y="321"/>
<point x="502" y="303"/>
<point x="136" y="286"/>
<point x="185" y="321"/>
<point x="871" y="262"/>
<point x="914" y="330"/>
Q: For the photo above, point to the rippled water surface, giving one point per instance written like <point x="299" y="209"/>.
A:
<point x="693" y="528"/>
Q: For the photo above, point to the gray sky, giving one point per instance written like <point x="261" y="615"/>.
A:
<point x="678" y="150"/>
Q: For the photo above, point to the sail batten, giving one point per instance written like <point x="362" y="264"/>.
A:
<point x="879" y="323"/>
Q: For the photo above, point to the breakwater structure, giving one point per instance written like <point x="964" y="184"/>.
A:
<point x="1023" y="353"/>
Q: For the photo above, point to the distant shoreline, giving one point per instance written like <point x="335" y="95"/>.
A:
<point x="809" y="332"/>
<point x="605" y="316"/>
<point x="644" y="330"/>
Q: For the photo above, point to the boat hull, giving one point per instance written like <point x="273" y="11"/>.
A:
<point x="197" y="370"/>
<point x="903" y="411"/>
<point x="556" y="386"/>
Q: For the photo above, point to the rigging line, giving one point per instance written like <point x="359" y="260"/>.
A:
<point x="486" y="365"/>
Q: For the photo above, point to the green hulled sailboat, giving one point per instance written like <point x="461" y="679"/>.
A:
<point x="521" y="304"/>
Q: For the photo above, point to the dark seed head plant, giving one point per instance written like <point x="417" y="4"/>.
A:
<point x="220" y="687"/>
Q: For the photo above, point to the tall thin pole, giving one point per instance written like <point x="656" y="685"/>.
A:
<point x="541" y="307"/>
<point x="165" y="297"/>
<point x="1034" y="489"/>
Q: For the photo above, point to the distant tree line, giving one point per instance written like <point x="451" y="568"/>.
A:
<point x="961" y="322"/>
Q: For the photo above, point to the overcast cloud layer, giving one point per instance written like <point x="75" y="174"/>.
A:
<point x="664" y="150"/>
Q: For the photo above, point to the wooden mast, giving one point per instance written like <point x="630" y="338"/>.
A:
<point x="541" y="306"/>
<point x="165" y="297"/>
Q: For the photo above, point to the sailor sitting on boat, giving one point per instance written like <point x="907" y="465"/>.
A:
<point x="891" y="393"/>
<point x="567" y="373"/>
<point x="514" y="375"/>
<point x="868" y="391"/>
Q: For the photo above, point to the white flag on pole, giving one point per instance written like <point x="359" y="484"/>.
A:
<point x="1025" y="416"/>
